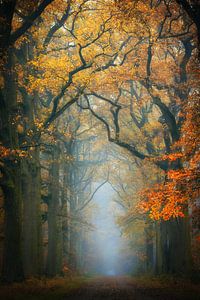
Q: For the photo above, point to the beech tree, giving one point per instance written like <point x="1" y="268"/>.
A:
<point x="68" y="70"/>
<point x="171" y="117"/>
<point x="10" y="137"/>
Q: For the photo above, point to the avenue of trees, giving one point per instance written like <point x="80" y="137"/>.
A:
<point x="98" y="91"/>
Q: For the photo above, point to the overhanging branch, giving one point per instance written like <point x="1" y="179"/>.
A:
<point x="29" y="21"/>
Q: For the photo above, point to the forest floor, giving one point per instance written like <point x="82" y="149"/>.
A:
<point x="96" y="288"/>
<point x="127" y="288"/>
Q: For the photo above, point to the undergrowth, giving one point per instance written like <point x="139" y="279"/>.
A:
<point x="41" y="289"/>
<point x="57" y="288"/>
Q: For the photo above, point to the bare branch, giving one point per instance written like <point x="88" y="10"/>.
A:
<point x="90" y="199"/>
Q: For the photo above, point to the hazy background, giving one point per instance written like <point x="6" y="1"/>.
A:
<point x="108" y="246"/>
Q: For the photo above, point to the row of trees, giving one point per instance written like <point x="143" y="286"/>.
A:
<point x="158" y="104"/>
<point x="130" y="67"/>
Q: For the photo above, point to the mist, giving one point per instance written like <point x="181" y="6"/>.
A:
<point x="99" y="147"/>
<point x="109" y="257"/>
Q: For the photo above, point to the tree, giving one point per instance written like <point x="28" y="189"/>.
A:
<point x="130" y="64"/>
<point x="10" y="167"/>
<point x="160" y="95"/>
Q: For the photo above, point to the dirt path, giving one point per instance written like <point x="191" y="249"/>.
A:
<point x="124" y="288"/>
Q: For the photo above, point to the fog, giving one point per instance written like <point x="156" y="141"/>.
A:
<point x="109" y="247"/>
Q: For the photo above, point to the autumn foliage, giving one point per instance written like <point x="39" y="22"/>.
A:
<point x="76" y="77"/>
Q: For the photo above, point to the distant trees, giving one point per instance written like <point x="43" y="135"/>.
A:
<point x="28" y="34"/>
<point x="129" y="64"/>
<point x="159" y="97"/>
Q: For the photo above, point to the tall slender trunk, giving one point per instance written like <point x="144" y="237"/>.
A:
<point x="11" y="183"/>
<point x="149" y="249"/>
<point x="73" y="236"/>
<point x="65" y="220"/>
<point x="158" y="249"/>
<point x="54" y="262"/>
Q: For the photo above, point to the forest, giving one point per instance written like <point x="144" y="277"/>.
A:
<point x="99" y="149"/>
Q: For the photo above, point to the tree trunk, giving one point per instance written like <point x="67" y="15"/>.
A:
<point x="149" y="249"/>
<point x="11" y="182"/>
<point x="12" y="262"/>
<point x="31" y="190"/>
<point x="65" y="220"/>
<point x="179" y="248"/>
<point x="54" y="224"/>
<point x="159" y="256"/>
<point x="72" y="238"/>
<point x="173" y="249"/>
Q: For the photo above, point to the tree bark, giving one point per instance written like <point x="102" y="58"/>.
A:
<point x="31" y="191"/>
<point x="11" y="182"/>
<point x="54" y="262"/>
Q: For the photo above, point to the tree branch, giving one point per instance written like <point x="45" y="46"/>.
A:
<point x="90" y="199"/>
<point x="58" y="25"/>
<point x="29" y="21"/>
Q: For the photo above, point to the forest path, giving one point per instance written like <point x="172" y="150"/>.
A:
<point x="124" y="288"/>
